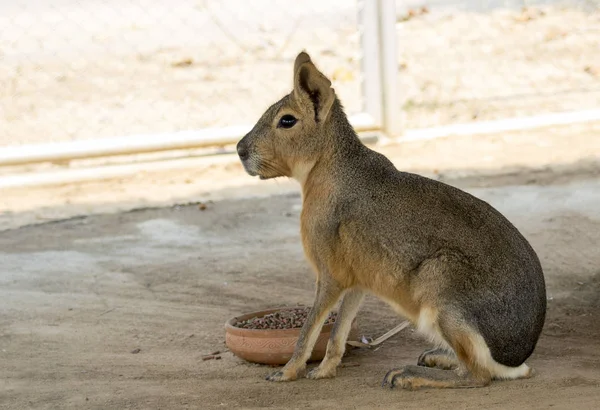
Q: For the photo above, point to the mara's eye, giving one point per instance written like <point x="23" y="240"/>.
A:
<point x="287" y="121"/>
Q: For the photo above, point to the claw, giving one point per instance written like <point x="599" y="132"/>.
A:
<point x="389" y="379"/>
<point x="318" y="373"/>
<point x="275" y="376"/>
<point x="394" y="376"/>
<point x="282" y="376"/>
<point x="312" y="374"/>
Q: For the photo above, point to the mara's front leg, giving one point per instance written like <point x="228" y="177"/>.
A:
<point x="339" y="334"/>
<point x="328" y="293"/>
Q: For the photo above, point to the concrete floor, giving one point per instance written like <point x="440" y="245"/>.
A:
<point x="78" y="296"/>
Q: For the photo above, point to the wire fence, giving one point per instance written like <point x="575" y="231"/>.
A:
<point x="496" y="63"/>
<point x="105" y="68"/>
<point x="74" y="70"/>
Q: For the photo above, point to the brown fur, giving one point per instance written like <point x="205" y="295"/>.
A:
<point x="449" y="262"/>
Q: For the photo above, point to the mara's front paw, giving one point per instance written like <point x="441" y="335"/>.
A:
<point x="284" y="375"/>
<point x="321" y="373"/>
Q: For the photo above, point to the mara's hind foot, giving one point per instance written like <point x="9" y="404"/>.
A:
<point x="438" y="358"/>
<point x="417" y="377"/>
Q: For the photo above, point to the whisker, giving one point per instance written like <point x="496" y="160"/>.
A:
<point x="271" y="166"/>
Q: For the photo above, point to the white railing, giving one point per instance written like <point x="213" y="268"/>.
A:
<point x="381" y="106"/>
<point x="381" y="109"/>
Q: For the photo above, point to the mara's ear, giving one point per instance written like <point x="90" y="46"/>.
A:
<point x="301" y="58"/>
<point x="312" y="88"/>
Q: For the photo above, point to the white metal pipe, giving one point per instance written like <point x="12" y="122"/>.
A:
<point x="370" y="76"/>
<point x="139" y="144"/>
<point x="487" y="127"/>
<point x="391" y="98"/>
<point x="69" y="176"/>
<point x="505" y="125"/>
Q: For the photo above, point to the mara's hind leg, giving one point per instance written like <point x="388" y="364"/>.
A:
<point x="440" y="358"/>
<point x="471" y="372"/>
<point x="417" y="377"/>
<point x="445" y="359"/>
<point x="476" y="367"/>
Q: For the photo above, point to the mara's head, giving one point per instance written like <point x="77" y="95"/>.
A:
<point x="292" y="134"/>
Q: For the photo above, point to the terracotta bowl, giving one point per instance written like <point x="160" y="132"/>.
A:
<point x="275" y="346"/>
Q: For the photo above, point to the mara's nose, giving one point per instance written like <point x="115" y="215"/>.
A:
<point x="242" y="150"/>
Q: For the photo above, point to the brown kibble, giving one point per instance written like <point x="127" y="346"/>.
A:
<point x="136" y="351"/>
<point x="202" y="206"/>
<point x="284" y="319"/>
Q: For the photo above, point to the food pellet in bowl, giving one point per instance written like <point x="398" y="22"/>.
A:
<point x="283" y="319"/>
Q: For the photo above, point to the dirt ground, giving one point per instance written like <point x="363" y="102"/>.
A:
<point x="79" y="296"/>
<point x="76" y="70"/>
